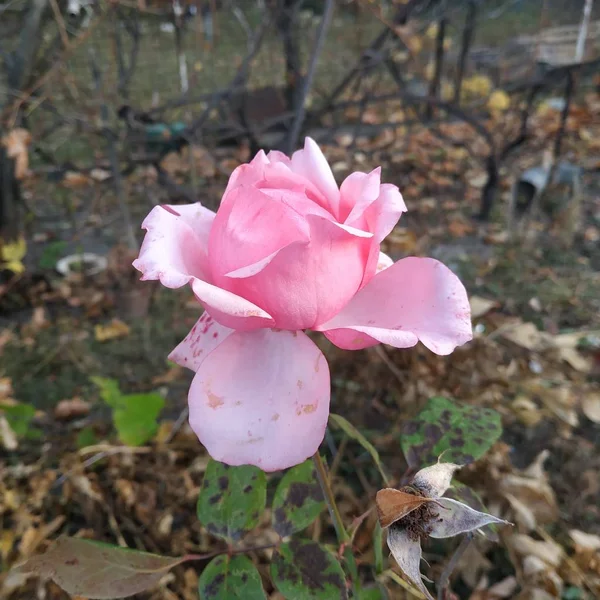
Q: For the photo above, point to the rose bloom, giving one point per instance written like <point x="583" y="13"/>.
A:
<point x="288" y="250"/>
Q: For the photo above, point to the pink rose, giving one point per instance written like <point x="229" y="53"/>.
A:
<point x="288" y="250"/>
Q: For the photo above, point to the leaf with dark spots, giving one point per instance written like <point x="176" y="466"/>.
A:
<point x="463" y="433"/>
<point x="231" y="578"/>
<point x="298" y="500"/>
<point x="97" y="570"/>
<point x="222" y="508"/>
<point x="303" y="570"/>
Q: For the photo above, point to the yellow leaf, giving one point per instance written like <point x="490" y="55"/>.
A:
<point x="12" y="255"/>
<point x="499" y="101"/>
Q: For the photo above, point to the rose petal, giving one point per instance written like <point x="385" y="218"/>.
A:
<point x="202" y="339"/>
<point x="456" y="517"/>
<point x="251" y="221"/>
<point x="358" y="191"/>
<point x="306" y="284"/>
<point x="175" y="244"/>
<point x="261" y="398"/>
<point x="407" y="553"/>
<point x="174" y="252"/>
<point x="435" y="480"/>
<point x="312" y="164"/>
<point x="383" y="214"/>
<point x="414" y="299"/>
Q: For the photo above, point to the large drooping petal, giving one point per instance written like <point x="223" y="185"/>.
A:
<point x="202" y="339"/>
<point x="305" y="284"/>
<point x="312" y="164"/>
<point x="455" y="518"/>
<point x="261" y="398"/>
<point x="175" y="252"/>
<point x="433" y="481"/>
<point x="407" y="553"/>
<point x="413" y="299"/>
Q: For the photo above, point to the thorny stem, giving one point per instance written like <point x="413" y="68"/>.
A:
<point x="447" y="572"/>
<point x="334" y="512"/>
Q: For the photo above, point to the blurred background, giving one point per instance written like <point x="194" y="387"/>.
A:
<point x="485" y="113"/>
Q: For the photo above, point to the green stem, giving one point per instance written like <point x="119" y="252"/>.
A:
<point x="334" y="512"/>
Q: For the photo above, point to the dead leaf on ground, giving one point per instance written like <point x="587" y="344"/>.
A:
<point x="72" y="409"/>
<point x="481" y="306"/>
<point x="585" y="542"/>
<point x="111" y="331"/>
<point x="16" y="142"/>
<point x="591" y="406"/>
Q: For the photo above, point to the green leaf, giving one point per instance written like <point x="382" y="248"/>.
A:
<point x="374" y="592"/>
<point x="231" y="578"/>
<point x="463" y="433"/>
<point x="51" y="253"/>
<point x="298" y="500"/>
<point x="19" y="418"/>
<point x="303" y="570"/>
<point x="352" y="432"/>
<point x="135" y="417"/>
<point x="109" y="390"/>
<point x="97" y="570"/>
<point x="86" y="437"/>
<point x="231" y="499"/>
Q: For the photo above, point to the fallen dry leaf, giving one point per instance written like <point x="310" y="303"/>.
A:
<point x="481" y="306"/>
<point x="16" y="142"/>
<point x="9" y="439"/>
<point x="591" y="406"/>
<point x="111" y="331"/>
<point x="585" y="541"/>
<point x="71" y="409"/>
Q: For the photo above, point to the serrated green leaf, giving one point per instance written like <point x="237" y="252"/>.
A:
<point x="231" y="578"/>
<point x="109" y="390"/>
<point x="303" y="570"/>
<point x="135" y="417"/>
<point x="231" y="499"/>
<point x="463" y="433"/>
<point x="298" y="499"/>
<point x="96" y="570"/>
<point x="355" y="434"/>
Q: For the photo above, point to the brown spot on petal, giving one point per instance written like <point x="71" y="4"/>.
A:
<point x="214" y="401"/>
<point x="309" y="408"/>
<point x="317" y="363"/>
<point x="275" y="417"/>
<point x="299" y="384"/>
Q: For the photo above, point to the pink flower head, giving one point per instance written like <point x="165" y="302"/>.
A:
<point x="287" y="251"/>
